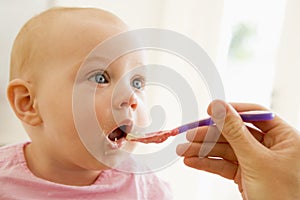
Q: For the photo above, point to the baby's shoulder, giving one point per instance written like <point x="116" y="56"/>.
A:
<point x="155" y="187"/>
<point x="10" y="154"/>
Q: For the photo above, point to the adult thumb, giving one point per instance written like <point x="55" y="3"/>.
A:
<point x="230" y="124"/>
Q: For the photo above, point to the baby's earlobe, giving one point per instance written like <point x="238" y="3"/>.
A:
<point x="22" y="101"/>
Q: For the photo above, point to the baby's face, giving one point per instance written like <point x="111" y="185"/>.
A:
<point x="108" y="103"/>
<point x="117" y="93"/>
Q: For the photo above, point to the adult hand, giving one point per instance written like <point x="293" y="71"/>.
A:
<point x="263" y="161"/>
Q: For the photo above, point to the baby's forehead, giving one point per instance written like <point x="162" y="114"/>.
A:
<point x="59" y="34"/>
<point x="79" y="24"/>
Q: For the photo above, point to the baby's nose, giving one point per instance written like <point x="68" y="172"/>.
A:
<point x="130" y="102"/>
<point x="125" y="99"/>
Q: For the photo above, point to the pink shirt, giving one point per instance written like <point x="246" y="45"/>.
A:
<point x="17" y="182"/>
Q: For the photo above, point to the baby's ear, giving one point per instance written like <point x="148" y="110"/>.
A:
<point x="22" y="100"/>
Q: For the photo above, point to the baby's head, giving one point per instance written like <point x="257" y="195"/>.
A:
<point x="45" y="61"/>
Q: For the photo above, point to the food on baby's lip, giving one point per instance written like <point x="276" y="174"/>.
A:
<point x="133" y="136"/>
<point x="157" y="137"/>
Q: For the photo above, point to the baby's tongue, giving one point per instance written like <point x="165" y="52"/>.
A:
<point x="116" y="134"/>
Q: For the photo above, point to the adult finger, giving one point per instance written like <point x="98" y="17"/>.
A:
<point x="200" y="134"/>
<point x="221" y="150"/>
<point x="264" y="126"/>
<point x="233" y="129"/>
<point x="221" y="167"/>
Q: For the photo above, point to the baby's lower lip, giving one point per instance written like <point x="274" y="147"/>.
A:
<point x="117" y="144"/>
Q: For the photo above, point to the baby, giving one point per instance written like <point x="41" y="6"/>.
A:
<point x="56" y="164"/>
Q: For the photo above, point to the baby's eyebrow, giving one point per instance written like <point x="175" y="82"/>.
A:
<point x="141" y="70"/>
<point x="99" y="61"/>
<point x="94" y="63"/>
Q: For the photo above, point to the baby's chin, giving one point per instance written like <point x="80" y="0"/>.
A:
<point x="113" y="158"/>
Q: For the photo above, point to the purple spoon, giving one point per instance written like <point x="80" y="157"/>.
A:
<point x="160" y="136"/>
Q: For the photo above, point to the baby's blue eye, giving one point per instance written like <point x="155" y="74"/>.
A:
<point x="99" y="78"/>
<point x="138" y="83"/>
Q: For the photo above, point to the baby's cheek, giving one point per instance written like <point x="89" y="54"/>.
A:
<point x="104" y="115"/>
<point x="102" y="104"/>
<point x="142" y="117"/>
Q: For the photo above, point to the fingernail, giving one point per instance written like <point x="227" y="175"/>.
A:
<point x="180" y="149"/>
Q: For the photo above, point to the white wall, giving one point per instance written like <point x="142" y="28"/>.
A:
<point x="13" y="15"/>
<point x="286" y="96"/>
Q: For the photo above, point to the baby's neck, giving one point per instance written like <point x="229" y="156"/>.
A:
<point x="49" y="170"/>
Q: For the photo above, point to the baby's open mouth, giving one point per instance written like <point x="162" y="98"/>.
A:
<point x="118" y="133"/>
<point x="118" y="136"/>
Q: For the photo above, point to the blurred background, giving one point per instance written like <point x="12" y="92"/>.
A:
<point x="254" y="45"/>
